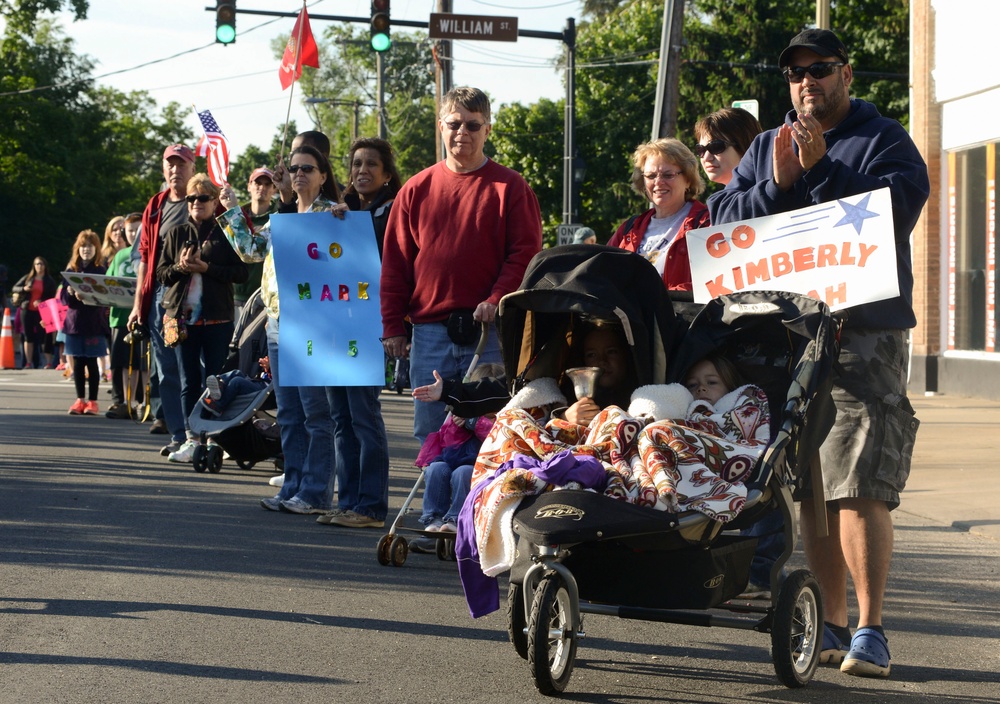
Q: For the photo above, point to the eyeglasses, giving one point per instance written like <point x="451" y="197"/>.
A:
<point x="665" y="175"/>
<point x="304" y="168"/>
<point x="820" y="69"/>
<point x="470" y="125"/>
<point x="716" y="146"/>
<point x="201" y="198"/>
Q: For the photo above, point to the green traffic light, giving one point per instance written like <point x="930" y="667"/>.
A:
<point x="226" y="33"/>
<point x="381" y="42"/>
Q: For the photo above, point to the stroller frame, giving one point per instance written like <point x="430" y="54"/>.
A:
<point x="392" y="548"/>
<point x="546" y="598"/>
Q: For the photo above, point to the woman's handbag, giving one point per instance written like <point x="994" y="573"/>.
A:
<point x="174" y="330"/>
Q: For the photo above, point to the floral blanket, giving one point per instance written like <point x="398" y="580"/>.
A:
<point x="697" y="461"/>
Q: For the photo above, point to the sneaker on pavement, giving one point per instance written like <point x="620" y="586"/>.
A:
<point x="214" y="387"/>
<point x="184" y="454"/>
<point x="91" y="409"/>
<point x="448" y="527"/>
<point x="424" y="544"/>
<point x="327" y="518"/>
<point x="117" y="411"/>
<point x="271" y="503"/>
<point x="172" y="446"/>
<point x="434" y="526"/>
<point x="159" y="427"/>
<point x="869" y="654"/>
<point x="350" y="519"/>
<point x="276" y="480"/>
<point x="297" y="505"/>
<point x="77" y="408"/>
<point x="833" y="649"/>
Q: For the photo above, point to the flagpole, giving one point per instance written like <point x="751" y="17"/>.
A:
<point x="291" y="93"/>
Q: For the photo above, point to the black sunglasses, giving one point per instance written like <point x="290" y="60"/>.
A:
<point x="820" y="69"/>
<point x="304" y="168"/>
<point x="201" y="198"/>
<point x="716" y="146"/>
<point x="470" y="125"/>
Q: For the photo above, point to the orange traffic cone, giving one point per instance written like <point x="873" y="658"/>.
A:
<point x="7" y="342"/>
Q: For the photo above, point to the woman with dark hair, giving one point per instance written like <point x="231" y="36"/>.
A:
<point x="30" y="290"/>
<point x="303" y="411"/>
<point x="86" y="327"/>
<point x="723" y="138"/>
<point x="666" y="173"/>
<point x="199" y="268"/>
<point x="361" y="443"/>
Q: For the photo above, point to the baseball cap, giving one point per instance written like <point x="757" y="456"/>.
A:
<point x="261" y="171"/>
<point x="180" y="150"/>
<point x="581" y="235"/>
<point x="822" y="41"/>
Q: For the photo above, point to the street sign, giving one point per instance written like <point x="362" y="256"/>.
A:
<point x="751" y="106"/>
<point x="564" y="233"/>
<point x="490" y="29"/>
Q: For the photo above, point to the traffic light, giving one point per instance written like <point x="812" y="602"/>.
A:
<point x="380" y="26"/>
<point x="225" y="21"/>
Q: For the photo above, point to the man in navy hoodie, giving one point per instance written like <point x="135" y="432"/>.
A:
<point x="830" y="147"/>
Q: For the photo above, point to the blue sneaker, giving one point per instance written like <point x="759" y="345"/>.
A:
<point x="833" y="650"/>
<point x="869" y="655"/>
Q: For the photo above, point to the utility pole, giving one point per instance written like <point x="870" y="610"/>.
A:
<point x="443" y="75"/>
<point x="667" y="96"/>
<point x="823" y="14"/>
<point x="569" y="130"/>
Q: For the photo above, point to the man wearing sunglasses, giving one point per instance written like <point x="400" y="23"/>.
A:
<point x="459" y="237"/>
<point x="831" y="146"/>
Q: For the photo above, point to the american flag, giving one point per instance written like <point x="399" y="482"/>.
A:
<point x="215" y="147"/>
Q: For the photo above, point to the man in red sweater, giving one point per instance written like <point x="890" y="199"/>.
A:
<point x="460" y="236"/>
<point x="165" y="210"/>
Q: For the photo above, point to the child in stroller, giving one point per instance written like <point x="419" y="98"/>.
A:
<point x="222" y="389"/>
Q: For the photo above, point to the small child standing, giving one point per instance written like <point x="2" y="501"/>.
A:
<point x="451" y="453"/>
<point x="86" y="326"/>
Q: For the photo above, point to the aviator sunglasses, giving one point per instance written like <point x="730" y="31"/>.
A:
<point x="201" y="198"/>
<point x="716" y="146"/>
<point x="820" y="69"/>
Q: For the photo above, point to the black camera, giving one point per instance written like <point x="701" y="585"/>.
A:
<point x="137" y="333"/>
<point x="191" y="244"/>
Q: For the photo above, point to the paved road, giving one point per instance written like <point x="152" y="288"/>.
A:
<point x="128" y="579"/>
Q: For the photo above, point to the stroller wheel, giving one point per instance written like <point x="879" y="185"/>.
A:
<point x="199" y="459"/>
<point x="213" y="458"/>
<point x="398" y="549"/>
<point x="797" y="630"/>
<point x="551" y="636"/>
<point x="382" y="550"/>
<point x="517" y="624"/>
<point x="445" y="548"/>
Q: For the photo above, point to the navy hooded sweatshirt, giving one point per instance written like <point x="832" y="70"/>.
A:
<point x="865" y="152"/>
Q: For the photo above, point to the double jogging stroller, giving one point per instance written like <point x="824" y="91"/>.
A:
<point x="245" y="430"/>
<point x="580" y="552"/>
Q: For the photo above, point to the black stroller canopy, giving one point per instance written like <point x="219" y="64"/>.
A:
<point x="587" y="281"/>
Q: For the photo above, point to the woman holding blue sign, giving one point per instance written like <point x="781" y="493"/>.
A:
<point x="359" y="431"/>
<point x="307" y="429"/>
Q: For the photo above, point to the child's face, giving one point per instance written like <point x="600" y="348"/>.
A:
<point x="704" y="382"/>
<point x="604" y="348"/>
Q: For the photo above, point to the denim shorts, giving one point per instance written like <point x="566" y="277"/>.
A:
<point x="868" y="451"/>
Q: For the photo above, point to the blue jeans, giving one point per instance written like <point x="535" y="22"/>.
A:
<point x="236" y="383"/>
<point x="445" y="491"/>
<point x="433" y="349"/>
<point x="362" y="448"/>
<point x="167" y="372"/>
<point x="306" y="435"/>
<point x="210" y="341"/>
<point x="770" y="530"/>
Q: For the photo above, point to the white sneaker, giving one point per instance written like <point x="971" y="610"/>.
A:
<point x="214" y="388"/>
<point x="448" y="527"/>
<point x="276" y="480"/>
<point x="185" y="454"/>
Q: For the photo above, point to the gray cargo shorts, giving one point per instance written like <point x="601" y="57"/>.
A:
<point x="868" y="451"/>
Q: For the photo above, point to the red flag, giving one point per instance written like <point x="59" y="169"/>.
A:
<point x="298" y="52"/>
<point x="214" y="145"/>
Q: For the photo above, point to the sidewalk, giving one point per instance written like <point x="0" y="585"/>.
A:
<point x="955" y="477"/>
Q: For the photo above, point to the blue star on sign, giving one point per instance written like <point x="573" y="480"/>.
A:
<point x="856" y="214"/>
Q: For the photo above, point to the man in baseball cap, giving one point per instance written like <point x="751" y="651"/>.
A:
<point x="181" y="150"/>
<point x="258" y="211"/>
<point x="821" y="41"/>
